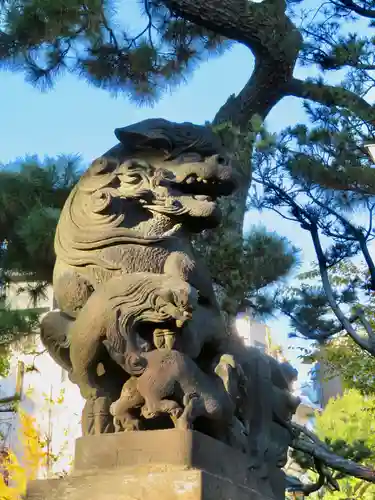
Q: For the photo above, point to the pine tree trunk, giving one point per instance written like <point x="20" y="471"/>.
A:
<point x="275" y="43"/>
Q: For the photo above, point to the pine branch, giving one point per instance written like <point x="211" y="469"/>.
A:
<point x="275" y="42"/>
<point x="267" y="31"/>
<point x="363" y="343"/>
<point x="369" y="260"/>
<point x="321" y="336"/>
<point x="323" y="476"/>
<point x="353" y="7"/>
<point x="357" y="235"/>
<point x="368" y="328"/>
<point x="329" y="95"/>
<point x="311" y="444"/>
<point x="246" y="22"/>
<point x="311" y="223"/>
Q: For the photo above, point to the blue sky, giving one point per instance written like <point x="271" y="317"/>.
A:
<point x="77" y="118"/>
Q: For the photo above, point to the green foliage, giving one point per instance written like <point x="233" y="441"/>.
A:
<point x="331" y="47"/>
<point x="244" y="265"/>
<point x="348" y="419"/>
<point x="343" y="358"/>
<point x="5" y="356"/>
<point x="32" y="194"/>
<point x="341" y="355"/>
<point x="355" y="366"/>
<point x="330" y="153"/>
<point x="15" y="325"/>
<point x="310" y="314"/>
<point x="307" y="306"/>
<point x="319" y="177"/>
<point x="89" y="39"/>
<point x="346" y="426"/>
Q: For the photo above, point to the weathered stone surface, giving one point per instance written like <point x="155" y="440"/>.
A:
<point x="138" y="326"/>
<point x="124" y="261"/>
<point x="172" y="447"/>
<point x="147" y="483"/>
<point x="153" y="465"/>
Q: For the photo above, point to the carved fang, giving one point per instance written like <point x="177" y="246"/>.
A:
<point x="170" y="340"/>
<point x="159" y="340"/>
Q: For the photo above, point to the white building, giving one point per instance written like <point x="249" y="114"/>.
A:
<point x="253" y="333"/>
<point x="46" y="393"/>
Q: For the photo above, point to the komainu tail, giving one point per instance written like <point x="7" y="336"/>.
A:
<point x="54" y="333"/>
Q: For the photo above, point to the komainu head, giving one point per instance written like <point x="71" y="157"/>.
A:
<point x="176" y="169"/>
<point x="162" y="178"/>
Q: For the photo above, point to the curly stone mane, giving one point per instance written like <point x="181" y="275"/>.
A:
<point x="121" y="308"/>
<point x="89" y="222"/>
<point x="92" y="220"/>
<point x="140" y="303"/>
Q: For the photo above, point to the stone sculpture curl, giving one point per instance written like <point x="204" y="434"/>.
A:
<point x="125" y="313"/>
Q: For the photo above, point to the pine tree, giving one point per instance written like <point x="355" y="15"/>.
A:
<point x="318" y="177"/>
<point x="32" y="194"/>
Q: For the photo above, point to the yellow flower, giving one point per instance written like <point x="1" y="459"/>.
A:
<point x="33" y="455"/>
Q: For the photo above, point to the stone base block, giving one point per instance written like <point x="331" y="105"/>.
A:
<point x="155" y="465"/>
<point x="143" y="484"/>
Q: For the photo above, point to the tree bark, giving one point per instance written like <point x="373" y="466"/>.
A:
<point x="353" y="7"/>
<point x="275" y="43"/>
<point x="270" y="35"/>
<point x="347" y="467"/>
<point x="265" y="88"/>
<point x="306" y="441"/>
<point x="362" y="342"/>
<point x="330" y="95"/>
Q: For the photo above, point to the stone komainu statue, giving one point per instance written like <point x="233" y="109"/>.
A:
<point x="138" y="326"/>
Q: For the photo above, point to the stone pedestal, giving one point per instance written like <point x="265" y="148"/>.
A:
<point x="154" y="465"/>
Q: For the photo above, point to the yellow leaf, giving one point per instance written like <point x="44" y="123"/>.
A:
<point x="33" y="455"/>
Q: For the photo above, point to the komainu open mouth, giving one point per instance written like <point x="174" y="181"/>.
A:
<point x="210" y="188"/>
